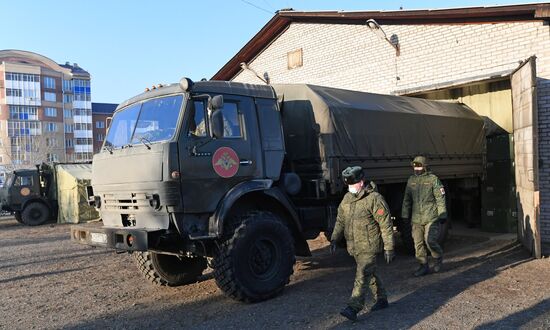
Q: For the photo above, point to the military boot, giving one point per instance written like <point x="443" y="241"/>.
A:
<point x="422" y="270"/>
<point x="379" y="304"/>
<point x="349" y="313"/>
<point x="437" y="264"/>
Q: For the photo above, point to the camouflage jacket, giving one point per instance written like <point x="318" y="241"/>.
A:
<point x="363" y="220"/>
<point x="425" y="195"/>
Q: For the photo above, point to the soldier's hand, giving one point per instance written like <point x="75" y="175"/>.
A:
<point x="332" y="247"/>
<point x="389" y="255"/>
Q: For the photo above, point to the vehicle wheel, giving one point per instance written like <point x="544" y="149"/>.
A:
<point x="17" y="216"/>
<point x="256" y="262"/>
<point x="35" y="214"/>
<point x="169" y="270"/>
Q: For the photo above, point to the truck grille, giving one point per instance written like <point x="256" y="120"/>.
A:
<point x="130" y="202"/>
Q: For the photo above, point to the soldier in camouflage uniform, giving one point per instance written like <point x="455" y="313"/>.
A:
<point x="425" y="195"/>
<point x="364" y="220"/>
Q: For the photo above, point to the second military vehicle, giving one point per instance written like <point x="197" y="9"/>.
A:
<point x="55" y="191"/>
<point x="239" y="176"/>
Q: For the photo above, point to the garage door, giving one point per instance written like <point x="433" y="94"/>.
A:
<point x="524" y="113"/>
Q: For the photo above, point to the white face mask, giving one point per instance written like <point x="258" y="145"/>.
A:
<point x="355" y="188"/>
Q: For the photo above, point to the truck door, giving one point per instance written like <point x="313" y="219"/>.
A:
<point x="211" y="167"/>
<point x="25" y="185"/>
<point x="524" y="116"/>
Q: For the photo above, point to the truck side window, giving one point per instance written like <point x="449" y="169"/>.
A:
<point x="23" y="181"/>
<point x="231" y="121"/>
<point x="197" y="125"/>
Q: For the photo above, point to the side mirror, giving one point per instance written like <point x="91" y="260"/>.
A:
<point x="216" y="124"/>
<point x="216" y="102"/>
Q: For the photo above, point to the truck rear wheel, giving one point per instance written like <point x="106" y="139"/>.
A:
<point x="35" y="214"/>
<point x="169" y="270"/>
<point x="256" y="262"/>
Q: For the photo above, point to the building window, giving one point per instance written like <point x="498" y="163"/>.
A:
<point x="68" y="98"/>
<point x="23" y="128"/>
<point x="51" y="142"/>
<point x="13" y="92"/>
<point x="23" y="113"/>
<point x="82" y="127"/>
<point x="68" y="128"/>
<point x="67" y="113"/>
<point x="52" y="157"/>
<point x="100" y="137"/>
<point x="100" y="124"/>
<point x="51" y="127"/>
<point x="69" y="143"/>
<point x="294" y="59"/>
<point x="67" y="85"/>
<point x="22" y="77"/>
<point x="50" y="97"/>
<point x="50" y="112"/>
<point x="49" y="82"/>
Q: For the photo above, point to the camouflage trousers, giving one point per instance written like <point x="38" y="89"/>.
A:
<point x="365" y="278"/>
<point x="426" y="236"/>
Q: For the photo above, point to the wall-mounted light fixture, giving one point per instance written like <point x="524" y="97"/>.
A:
<point x="377" y="29"/>
<point x="265" y="79"/>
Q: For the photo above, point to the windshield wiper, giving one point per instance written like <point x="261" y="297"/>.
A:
<point x="108" y="148"/>
<point x="145" y="142"/>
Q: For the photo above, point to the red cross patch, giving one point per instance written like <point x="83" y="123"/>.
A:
<point x="380" y="212"/>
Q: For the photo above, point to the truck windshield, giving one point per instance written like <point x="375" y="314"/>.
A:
<point x="150" y="121"/>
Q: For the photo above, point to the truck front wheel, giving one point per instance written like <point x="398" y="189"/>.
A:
<point x="256" y="262"/>
<point x="169" y="270"/>
<point x="35" y="214"/>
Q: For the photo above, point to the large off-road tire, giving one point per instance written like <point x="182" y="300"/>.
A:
<point x="255" y="262"/>
<point x="17" y="216"/>
<point x="35" y="214"/>
<point x="169" y="270"/>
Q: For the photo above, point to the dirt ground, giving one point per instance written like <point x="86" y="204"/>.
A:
<point x="48" y="282"/>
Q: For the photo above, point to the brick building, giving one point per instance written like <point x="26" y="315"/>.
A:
<point x="45" y="110"/>
<point x="100" y="115"/>
<point x="495" y="59"/>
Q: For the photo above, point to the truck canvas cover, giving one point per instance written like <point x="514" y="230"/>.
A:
<point x="72" y="180"/>
<point x="336" y="127"/>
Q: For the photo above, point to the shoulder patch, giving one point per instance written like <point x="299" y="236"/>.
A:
<point x="442" y="190"/>
<point x="380" y="212"/>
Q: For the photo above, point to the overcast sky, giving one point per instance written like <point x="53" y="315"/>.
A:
<point x="129" y="45"/>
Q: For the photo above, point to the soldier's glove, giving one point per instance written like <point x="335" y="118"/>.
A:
<point x="389" y="255"/>
<point x="443" y="218"/>
<point x="332" y="247"/>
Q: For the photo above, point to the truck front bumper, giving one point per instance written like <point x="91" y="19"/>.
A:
<point x="115" y="238"/>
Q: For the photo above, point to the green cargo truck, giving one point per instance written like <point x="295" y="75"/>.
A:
<point x="48" y="192"/>
<point x="240" y="176"/>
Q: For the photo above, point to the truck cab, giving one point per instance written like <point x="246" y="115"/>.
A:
<point x="170" y="180"/>
<point x="25" y="195"/>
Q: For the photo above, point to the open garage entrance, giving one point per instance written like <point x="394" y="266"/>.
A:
<point x="509" y="198"/>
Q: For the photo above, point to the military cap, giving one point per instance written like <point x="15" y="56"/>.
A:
<point x="352" y="175"/>
<point x="420" y="160"/>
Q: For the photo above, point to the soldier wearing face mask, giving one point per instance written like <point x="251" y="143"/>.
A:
<point x="364" y="220"/>
<point x="424" y="206"/>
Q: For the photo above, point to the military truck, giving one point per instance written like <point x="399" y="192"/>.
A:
<point x="239" y="176"/>
<point x="37" y="195"/>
